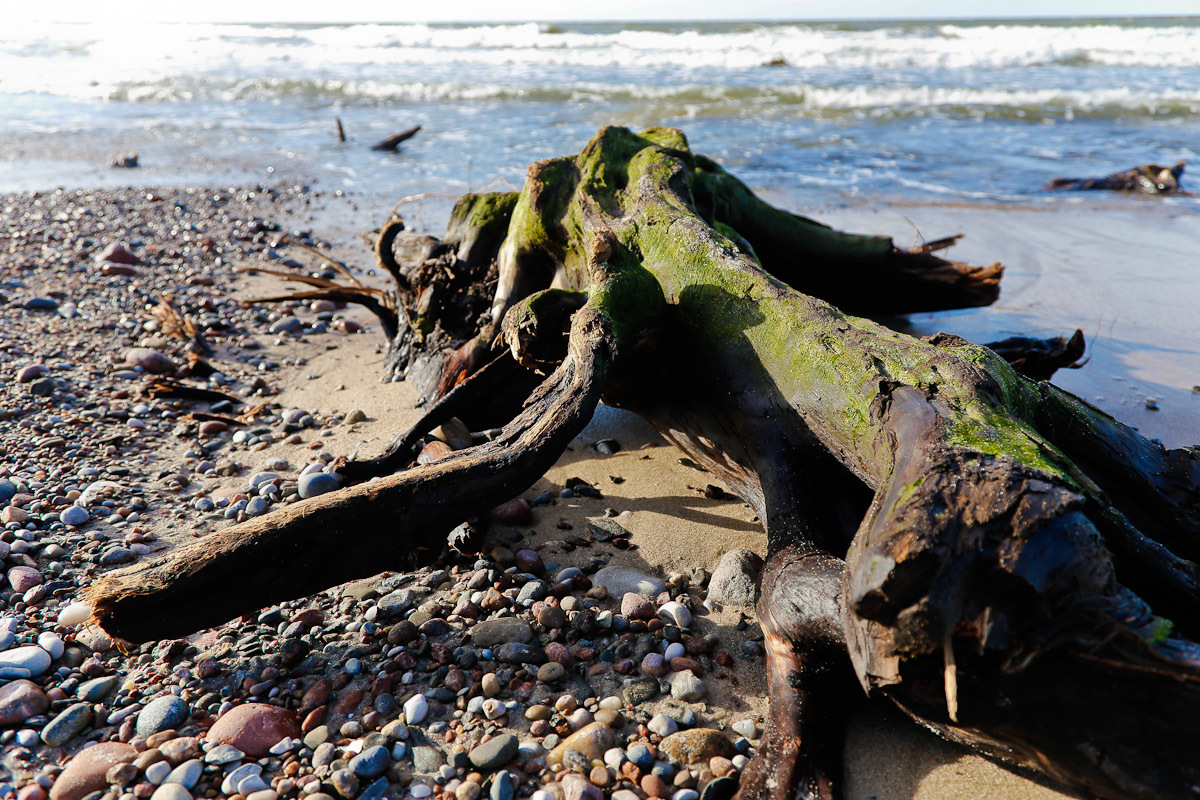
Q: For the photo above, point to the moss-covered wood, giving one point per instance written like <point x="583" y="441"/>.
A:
<point x="1005" y="562"/>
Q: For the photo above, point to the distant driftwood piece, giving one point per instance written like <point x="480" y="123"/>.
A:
<point x="1148" y="179"/>
<point x="392" y="142"/>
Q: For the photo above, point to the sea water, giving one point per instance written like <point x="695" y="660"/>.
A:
<point x="812" y="112"/>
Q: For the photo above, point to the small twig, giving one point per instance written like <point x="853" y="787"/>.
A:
<point x="412" y="198"/>
<point x="166" y="387"/>
<point x="341" y="131"/>
<point x="328" y="259"/>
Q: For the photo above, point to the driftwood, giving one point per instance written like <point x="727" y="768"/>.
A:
<point x="1147" y="179"/>
<point x="392" y="142"/>
<point x="1008" y="564"/>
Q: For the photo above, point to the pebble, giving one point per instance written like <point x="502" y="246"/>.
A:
<point x="529" y="561"/>
<point x="677" y="613"/>
<point x="150" y="360"/>
<point x="494" y="753"/>
<point x="117" y="253"/>
<point x="371" y="763"/>
<point x="64" y="727"/>
<point x="318" y="483"/>
<point x="735" y="580"/>
<point x="188" y="773"/>
<point x="22" y="579"/>
<point x="29" y="657"/>
<point x="621" y="580"/>
<point x="52" y="644"/>
<point x="157" y="772"/>
<point x="551" y="672"/>
<point x="517" y="653"/>
<point x="719" y="789"/>
<point x="20" y="700"/>
<point x="427" y="759"/>
<point x="344" y="782"/>
<point x="254" y="728"/>
<point x="504" y="787"/>
<point x="662" y="725"/>
<point x="415" y="709"/>
<point x="160" y="714"/>
<point x="504" y="630"/>
<point x="85" y="772"/>
<point x="696" y="746"/>
<point x="747" y="728"/>
<point x="74" y="614"/>
<point x="592" y="741"/>
<point x="74" y="515"/>
<point x="223" y="754"/>
<point x="634" y="606"/>
<point x="686" y="686"/>
<point x="577" y="787"/>
<point x="171" y="791"/>
<point x="641" y="691"/>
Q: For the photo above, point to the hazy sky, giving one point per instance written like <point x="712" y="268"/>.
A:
<point x="491" y="10"/>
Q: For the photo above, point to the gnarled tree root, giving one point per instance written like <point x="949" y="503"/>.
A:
<point x="1015" y="562"/>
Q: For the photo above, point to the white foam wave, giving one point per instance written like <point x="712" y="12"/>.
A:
<point x="35" y="56"/>
<point x="801" y="98"/>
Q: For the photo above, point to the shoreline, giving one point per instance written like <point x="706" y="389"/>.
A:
<point x="673" y="527"/>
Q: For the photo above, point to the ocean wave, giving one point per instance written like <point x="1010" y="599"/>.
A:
<point x="178" y="49"/>
<point x="690" y="99"/>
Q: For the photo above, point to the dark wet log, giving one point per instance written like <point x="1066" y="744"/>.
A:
<point x="1039" y="359"/>
<point x="1000" y="559"/>
<point x="1146" y="179"/>
<point x="390" y="144"/>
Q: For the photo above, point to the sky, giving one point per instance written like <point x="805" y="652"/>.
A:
<point x="557" y="10"/>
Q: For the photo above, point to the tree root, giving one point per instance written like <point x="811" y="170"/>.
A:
<point x="304" y="548"/>
<point x="1013" y="558"/>
<point x="480" y="388"/>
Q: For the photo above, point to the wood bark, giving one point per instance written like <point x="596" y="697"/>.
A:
<point x="1008" y="564"/>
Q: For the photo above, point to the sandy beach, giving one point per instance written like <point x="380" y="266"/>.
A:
<point x="1124" y="274"/>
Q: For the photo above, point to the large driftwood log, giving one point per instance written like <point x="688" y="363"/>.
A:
<point x="1004" y="561"/>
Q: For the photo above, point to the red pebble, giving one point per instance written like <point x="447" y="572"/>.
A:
<point x="514" y="512"/>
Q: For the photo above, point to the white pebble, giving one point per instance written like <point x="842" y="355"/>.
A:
<point x="420" y="790"/>
<point x="157" y="772"/>
<point x="676" y="613"/>
<point x="74" y="614"/>
<point x="50" y="642"/>
<point x="673" y="650"/>
<point x="415" y="709"/>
